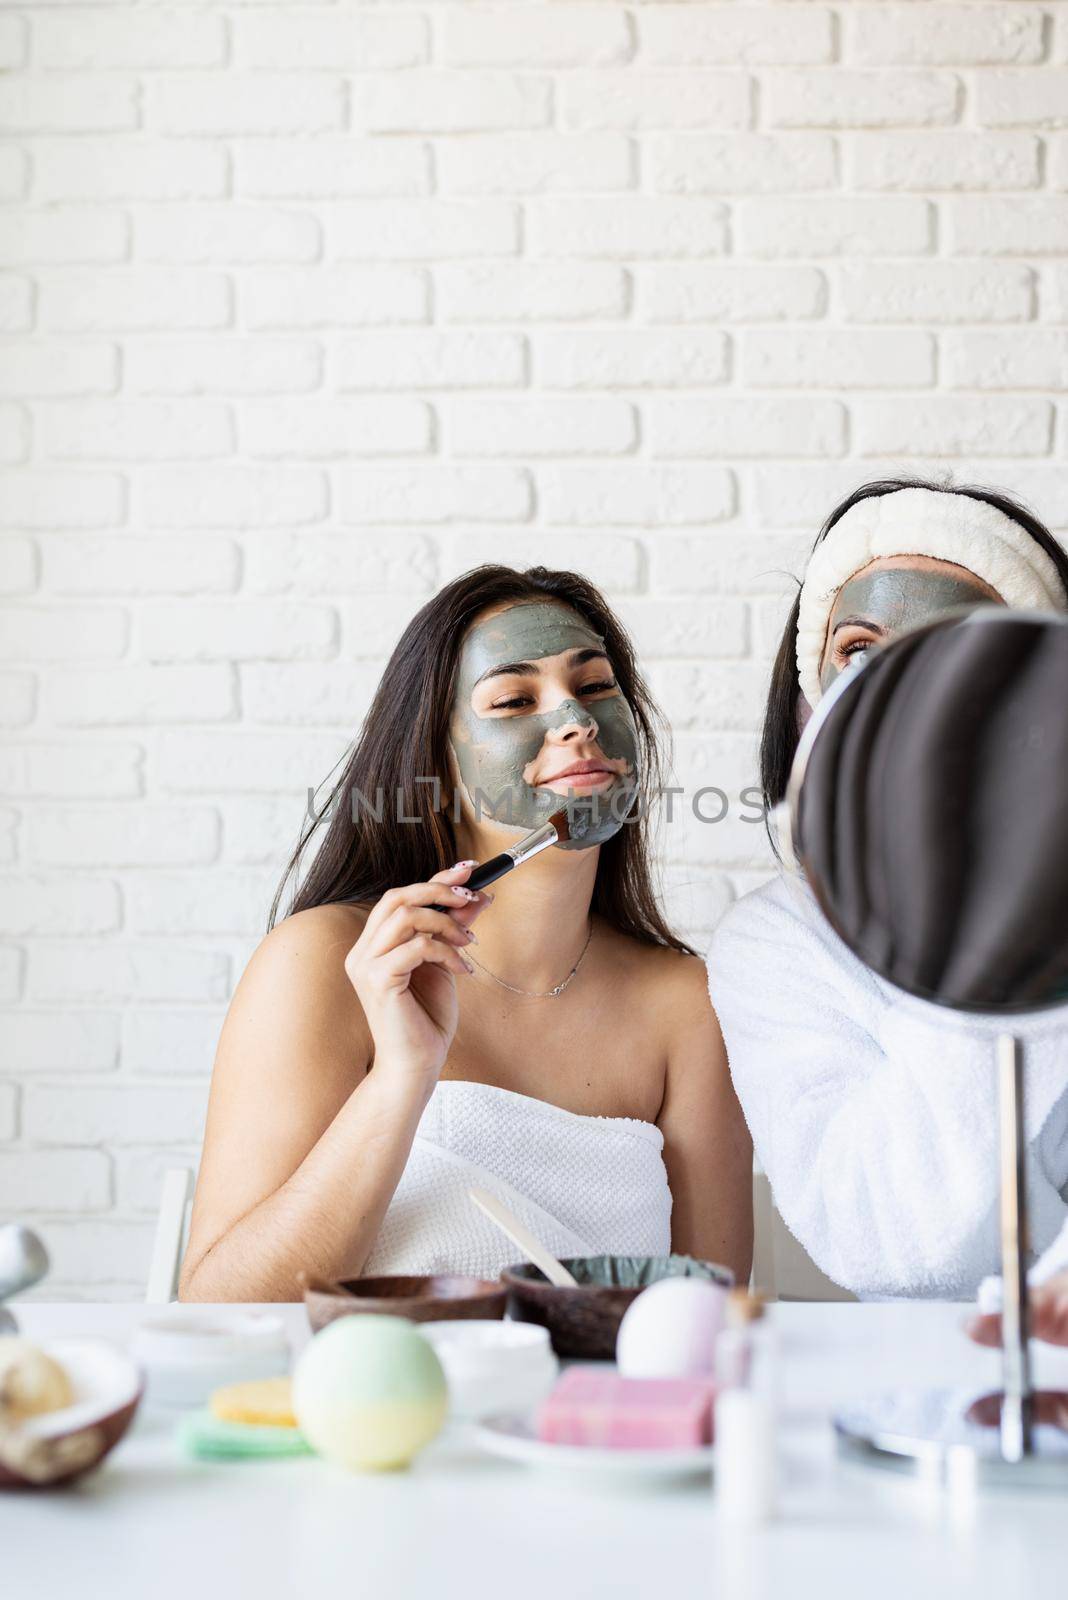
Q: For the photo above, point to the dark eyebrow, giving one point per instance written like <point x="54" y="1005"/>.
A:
<point x="576" y="658"/>
<point x="859" y="622"/>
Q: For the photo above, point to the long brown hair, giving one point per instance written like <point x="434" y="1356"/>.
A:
<point x="402" y="746"/>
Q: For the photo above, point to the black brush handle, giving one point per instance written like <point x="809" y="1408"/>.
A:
<point x="488" y="872"/>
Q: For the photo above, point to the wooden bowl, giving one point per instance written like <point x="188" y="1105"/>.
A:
<point x="421" y="1299"/>
<point x="583" y="1322"/>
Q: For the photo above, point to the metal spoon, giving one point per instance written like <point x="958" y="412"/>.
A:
<point x="23" y="1262"/>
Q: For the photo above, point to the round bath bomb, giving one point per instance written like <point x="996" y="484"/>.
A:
<point x="670" y="1330"/>
<point x="369" y="1392"/>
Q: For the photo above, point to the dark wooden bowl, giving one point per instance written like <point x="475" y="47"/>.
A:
<point x="583" y="1322"/>
<point x="422" y="1299"/>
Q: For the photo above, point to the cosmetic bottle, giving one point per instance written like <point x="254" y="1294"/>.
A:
<point x="746" y="1371"/>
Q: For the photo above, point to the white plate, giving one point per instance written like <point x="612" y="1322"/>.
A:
<point x="515" y="1439"/>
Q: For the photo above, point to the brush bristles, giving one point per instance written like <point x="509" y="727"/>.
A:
<point x="561" y="822"/>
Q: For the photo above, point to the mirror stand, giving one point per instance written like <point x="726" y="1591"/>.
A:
<point x="1015" y="1425"/>
<point x="933" y="1432"/>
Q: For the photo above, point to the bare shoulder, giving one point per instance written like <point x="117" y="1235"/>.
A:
<point x="683" y="973"/>
<point x="322" y="935"/>
<point x="672" y="982"/>
<point x="299" y="967"/>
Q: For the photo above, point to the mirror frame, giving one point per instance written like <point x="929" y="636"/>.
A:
<point x="787" y="815"/>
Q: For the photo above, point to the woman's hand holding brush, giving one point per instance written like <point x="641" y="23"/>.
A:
<point x="323" y="1217"/>
<point x="402" y="968"/>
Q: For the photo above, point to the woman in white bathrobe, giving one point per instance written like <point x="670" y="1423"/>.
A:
<point x="873" y="1114"/>
<point x="378" y="1058"/>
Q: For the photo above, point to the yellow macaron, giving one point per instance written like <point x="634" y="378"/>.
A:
<point x="267" y="1401"/>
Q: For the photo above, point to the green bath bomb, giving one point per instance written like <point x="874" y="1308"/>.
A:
<point x="369" y="1392"/>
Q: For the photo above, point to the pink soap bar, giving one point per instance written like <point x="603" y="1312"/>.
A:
<point x="592" y="1407"/>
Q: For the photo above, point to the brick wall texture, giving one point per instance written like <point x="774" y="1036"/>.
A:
<point x="305" y="308"/>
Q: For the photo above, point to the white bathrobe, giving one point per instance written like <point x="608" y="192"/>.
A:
<point x="875" y="1115"/>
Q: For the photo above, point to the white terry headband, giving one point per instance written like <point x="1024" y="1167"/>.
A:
<point x="921" y="522"/>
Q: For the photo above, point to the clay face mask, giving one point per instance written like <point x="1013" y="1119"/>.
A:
<point x="496" y="753"/>
<point x="896" y="599"/>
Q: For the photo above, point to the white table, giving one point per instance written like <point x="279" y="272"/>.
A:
<point x="461" y="1526"/>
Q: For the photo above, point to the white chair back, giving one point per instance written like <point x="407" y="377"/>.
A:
<point x="172" y="1226"/>
<point x="782" y="1268"/>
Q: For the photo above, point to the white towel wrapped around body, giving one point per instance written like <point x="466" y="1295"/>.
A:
<point x="584" y="1185"/>
<point x="874" y="1114"/>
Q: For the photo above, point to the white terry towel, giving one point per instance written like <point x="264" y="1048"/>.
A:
<point x="875" y="1115"/>
<point x="584" y="1185"/>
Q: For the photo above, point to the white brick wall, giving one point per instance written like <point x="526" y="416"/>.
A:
<point x="305" y="307"/>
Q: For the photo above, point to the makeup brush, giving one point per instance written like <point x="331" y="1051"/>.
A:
<point x="561" y="826"/>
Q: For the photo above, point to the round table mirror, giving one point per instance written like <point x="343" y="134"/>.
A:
<point x="928" y="810"/>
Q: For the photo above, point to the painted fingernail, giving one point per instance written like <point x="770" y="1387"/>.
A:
<point x="468" y="965"/>
<point x="470" y="937"/>
<point x="465" y="894"/>
<point x="460" y="864"/>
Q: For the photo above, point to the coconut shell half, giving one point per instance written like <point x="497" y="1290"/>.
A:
<point x="59" y="1446"/>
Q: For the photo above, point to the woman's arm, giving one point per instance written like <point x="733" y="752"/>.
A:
<point x="304" y="1144"/>
<point x="707" y="1149"/>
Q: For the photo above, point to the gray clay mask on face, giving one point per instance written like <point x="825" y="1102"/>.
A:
<point x="496" y="753"/>
<point x="898" y="598"/>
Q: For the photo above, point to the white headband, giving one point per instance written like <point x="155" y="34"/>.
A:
<point x="921" y="522"/>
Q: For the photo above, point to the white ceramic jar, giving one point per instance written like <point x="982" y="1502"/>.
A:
<point x="493" y="1368"/>
<point x="187" y="1352"/>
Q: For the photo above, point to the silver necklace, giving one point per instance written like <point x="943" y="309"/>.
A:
<point x="531" y="994"/>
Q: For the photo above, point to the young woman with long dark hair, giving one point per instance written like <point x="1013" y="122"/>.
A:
<point x="378" y="1057"/>
<point x="874" y="1121"/>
